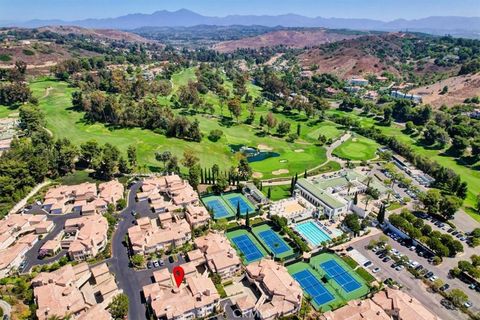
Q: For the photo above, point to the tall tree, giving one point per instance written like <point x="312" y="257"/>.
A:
<point x="132" y="155"/>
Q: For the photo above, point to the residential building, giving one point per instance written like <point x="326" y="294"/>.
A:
<point x="12" y="257"/>
<point x="356" y="81"/>
<point x="84" y="198"/>
<point x="400" y="95"/>
<point x="147" y="236"/>
<point x="80" y="291"/>
<point x="85" y="236"/>
<point x="357" y="310"/>
<point x="197" y="216"/>
<point x="281" y="295"/>
<point x="15" y="225"/>
<point x="175" y="188"/>
<point x="196" y="297"/>
<point x="219" y="255"/>
<point x="401" y="306"/>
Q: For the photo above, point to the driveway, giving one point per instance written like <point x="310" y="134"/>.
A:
<point x="414" y="286"/>
<point x="31" y="257"/>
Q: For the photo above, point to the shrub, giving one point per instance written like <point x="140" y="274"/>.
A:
<point x="215" y="135"/>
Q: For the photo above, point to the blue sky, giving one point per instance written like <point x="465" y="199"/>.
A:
<point x="11" y="10"/>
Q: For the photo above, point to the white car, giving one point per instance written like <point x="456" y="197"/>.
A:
<point x="375" y="270"/>
<point x="468" y="304"/>
<point x="433" y="278"/>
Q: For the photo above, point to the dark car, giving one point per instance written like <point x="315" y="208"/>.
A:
<point x="444" y="287"/>
<point x="382" y="256"/>
<point x="386" y="259"/>
<point x="428" y="274"/>
<point x="149" y="265"/>
<point x="350" y="248"/>
<point x="170" y="259"/>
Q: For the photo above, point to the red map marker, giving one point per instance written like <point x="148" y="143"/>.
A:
<point x="178" y="274"/>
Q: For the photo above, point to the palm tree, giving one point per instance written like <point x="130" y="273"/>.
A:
<point x="389" y="193"/>
<point x="349" y="186"/>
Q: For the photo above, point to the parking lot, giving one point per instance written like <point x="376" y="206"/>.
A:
<point x="412" y="285"/>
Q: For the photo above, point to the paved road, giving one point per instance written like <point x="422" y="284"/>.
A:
<point x="7" y="309"/>
<point x="130" y="280"/>
<point x="31" y="257"/>
<point x="119" y="263"/>
<point x="414" y="286"/>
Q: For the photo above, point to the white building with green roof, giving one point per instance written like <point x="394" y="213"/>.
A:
<point x="334" y="194"/>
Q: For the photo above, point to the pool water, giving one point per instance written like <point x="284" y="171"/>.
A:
<point x="312" y="232"/>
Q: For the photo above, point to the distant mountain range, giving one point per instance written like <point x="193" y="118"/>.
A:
<point x="466" y="26"/>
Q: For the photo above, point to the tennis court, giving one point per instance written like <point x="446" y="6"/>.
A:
<point x="235" y="199"/>
<point x="313" y="287"/>
<point x="340" y="275"/>
<point x="220" y="209"/>
<point x="274" y="242"/>
<point x="247" y="247"/>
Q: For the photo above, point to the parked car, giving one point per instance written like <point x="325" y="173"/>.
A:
<point x="367" y="264"/>
<point x="161" y="262"/>
<point x="468" y="304"/>
<point x="399" y="268"/>
<point x="429" y="274"/>
<point x="412" y="248"/>
<point x="447" y="304"/>
<point x="149" y="265"/>
<point x="433" y="278"/>
<point x="386" y="259"/>
<point x="349" y="248"/>
<point x="472" y="286"/>
<point x="444" y="287"/>
<point x="375" y="270"/>
<point x="375" y="249"/>
<point x="156" y="264"/>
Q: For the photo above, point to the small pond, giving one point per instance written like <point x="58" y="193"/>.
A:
<point x="253" y="154"/>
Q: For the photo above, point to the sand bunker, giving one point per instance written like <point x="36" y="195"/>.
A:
<point x="257" y="175"/>
<point x="279" y="172"/>
<point x="299" y="150"/>
<point x="264" y="147"/>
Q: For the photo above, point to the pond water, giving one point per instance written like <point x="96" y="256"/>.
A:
<point x="253" y="154"/>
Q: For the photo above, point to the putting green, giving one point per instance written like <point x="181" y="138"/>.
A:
<point x="357" y="148"/>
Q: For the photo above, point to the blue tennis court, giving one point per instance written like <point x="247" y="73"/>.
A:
<point x="219" y="210"/>
<point x="340" y="275"/>
<point x="248" y="248"/>
<point x="244" y="206"/>
<point x="313" y="287"/>
<point x="273" y="241"/>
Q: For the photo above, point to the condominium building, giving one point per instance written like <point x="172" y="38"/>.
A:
<point x="196" y="297"/>
<point x="281" y="295"/>
<point x="147" y="236"/>
<point x="80" y="291"/>
<point x="85" y="198"/>
<point x="219" y="255"/>
<point x="85" y="236"/>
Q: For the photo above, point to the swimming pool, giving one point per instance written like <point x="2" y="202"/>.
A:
<point x="312" y="232"/>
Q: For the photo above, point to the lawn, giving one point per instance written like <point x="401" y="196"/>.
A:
<point x="277" y="192"/>
<point x="293" y="158"/>
<point x="6" y="112"/>
<point x="357" y="148"/>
